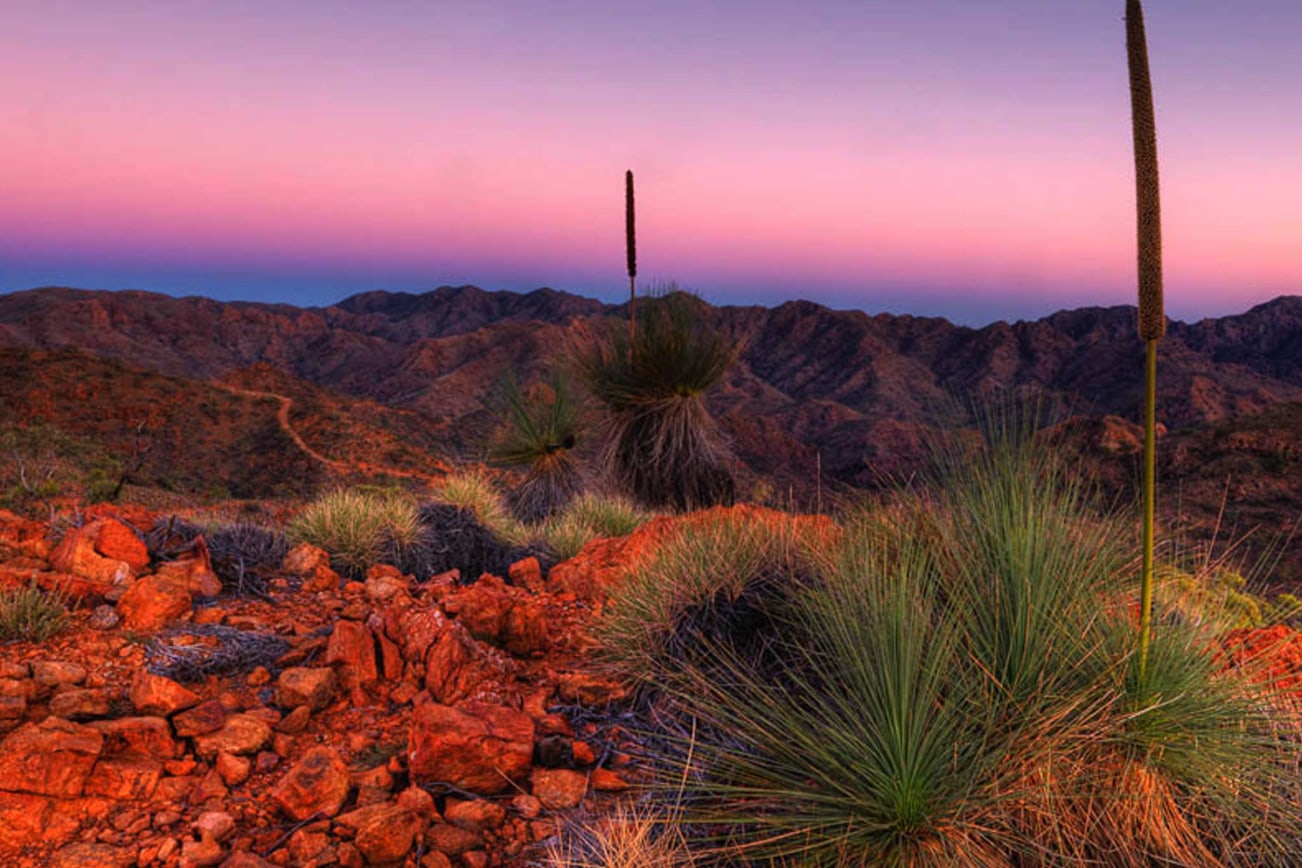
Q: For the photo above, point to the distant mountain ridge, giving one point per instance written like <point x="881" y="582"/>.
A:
<point x="841" y="394"/>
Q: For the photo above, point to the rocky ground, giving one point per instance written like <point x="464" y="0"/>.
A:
<point x="393" y="721"/>
<point x="388" y="721"/>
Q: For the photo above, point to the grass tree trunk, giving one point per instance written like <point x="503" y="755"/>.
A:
<point x="1152" y="321"/>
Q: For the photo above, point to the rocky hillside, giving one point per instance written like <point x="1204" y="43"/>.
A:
<point x="819" y="398"/>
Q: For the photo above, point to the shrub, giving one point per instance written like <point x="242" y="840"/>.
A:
<point x="473" y="490"/>
<point x="662" y="445"/>
<point x="955" y="682"/>
<point x="540" y="432"/>
<point x="245" y="556"/>
<point x="587" y="518"/>
<point x="30" y="614"/>
<point x="358" y="527"/>
<point x="725" y="577"/>
<point x="452" y="537"/>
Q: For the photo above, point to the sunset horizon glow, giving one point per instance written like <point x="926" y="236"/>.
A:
<point x="935" y="158"/>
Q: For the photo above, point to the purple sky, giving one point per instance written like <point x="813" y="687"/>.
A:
<point x="945" y="157"/>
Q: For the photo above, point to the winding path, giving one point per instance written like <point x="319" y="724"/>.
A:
<point x="342" y="467"/>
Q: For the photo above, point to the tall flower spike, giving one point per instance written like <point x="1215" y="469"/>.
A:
<point x="630" y="246"/>
<point x="1152" y="320"/>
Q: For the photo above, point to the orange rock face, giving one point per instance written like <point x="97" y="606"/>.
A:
<point x="478" y="747"/>
<point x="318" y="783"/>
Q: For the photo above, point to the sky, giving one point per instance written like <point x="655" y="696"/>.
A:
<point x="933" y="157"/>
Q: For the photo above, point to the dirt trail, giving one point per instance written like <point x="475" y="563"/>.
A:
<point x="343" y="467"/>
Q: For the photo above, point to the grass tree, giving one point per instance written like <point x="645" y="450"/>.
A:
<point x="540" y="432"/>
<point x="630" y="248"/>
<point x="662" y="444"/>
<point x="1152" y="321"/>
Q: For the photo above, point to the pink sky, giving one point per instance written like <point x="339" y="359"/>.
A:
<point x="935" y="157"/>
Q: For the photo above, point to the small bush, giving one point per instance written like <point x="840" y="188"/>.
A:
<point x="724" y="577"/>
<point x="473" y="490"/>
<point x="452" y="537"/>
<point x="357" y="528"/>
<point x="245" y="556"/>
<point x="587" y="518"/>
<point x="30" y="614"/>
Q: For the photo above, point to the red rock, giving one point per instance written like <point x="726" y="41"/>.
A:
<point x="22" y="818"/>
<point x="203" y="718"/>
<point x="477" y="747"/>
<point x="592" y="690"/>
<point x="458" y="667"/>
<point x="527" y="574"/>
<point x="116" y="541"/>
<point x="154" y="601"/>
<point x="419" y="802"/>
<point x="217" y="825"/>
<point x="244" y="859"/>
<point x="78" y="704"/>
<point x="52" y="758"/>
<point x="481" y="608"/>
<point x="525" y="632"/>
<point x="200" y="853"/>
<point x="84" y="854"/>
<point x="606" y="781"/>
<point x="56" y="673"/>
<point x="156" y="695"/>
<point x="124" y="778"/>
<point x="384" y="583"/>
<point x="351" y="651"/>
<point x="558" y="789"/>
<point x="414" y="629"/>
<point x="452" y="840"/>
<point x="75" y="554"/>
<point x="194" y="570"/>
<point x="240" y="734"/>
<point x="312" y="565"/>
<point x="383" y="833"/>
<point x="317" y="784"/>
<point x="390" y="658"/>
<point x="234" y="770"/>
<point x="474" y="815"/>
<point x="149" y="737"/>
<point x="311" y="686"/>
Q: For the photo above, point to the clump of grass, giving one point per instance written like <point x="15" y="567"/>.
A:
<point x="540" y="432"/>
<point x="954" y="682"/>
<point x="724" y="576"/>
<point x="245" y="556"/>
<point x="587" y="518"/>
<point x="31" y="614"/>
<point x="662" y="445"/>
<point x="358" y="527"/>
<point x="474" y="491"/>
<point x="629" y="836"/>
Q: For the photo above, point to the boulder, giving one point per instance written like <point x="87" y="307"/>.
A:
<point x="240" y="734"/>
<point x="312" y="565"/>
<point x="317" y="784"/>
<point x="157" y="695"/>
<point x="313" y="686"/>
<point x="478" y="747"/>
<point x="76" y="555"/>
<point x="154" y="601"/>
<point x="116" y="541"/>
<point x="383" y="833"/>
<point x="351" y="650"/>
<point x="146" y="737"/>
<point x="52" y="758"/>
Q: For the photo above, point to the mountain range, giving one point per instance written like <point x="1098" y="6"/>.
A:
<point x="818" y="400"/>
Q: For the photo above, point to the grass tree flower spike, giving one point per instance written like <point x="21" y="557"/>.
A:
<point x="1152" y="320"/>
<point x="630" y="245"/>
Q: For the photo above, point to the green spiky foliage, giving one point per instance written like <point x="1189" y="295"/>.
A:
<point x="662" y="444"/>
<point x="954" y="684"/>
<point x="1152" y="320"/>
<point x="539" y="433"/>
<point x="31" y="614"/>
